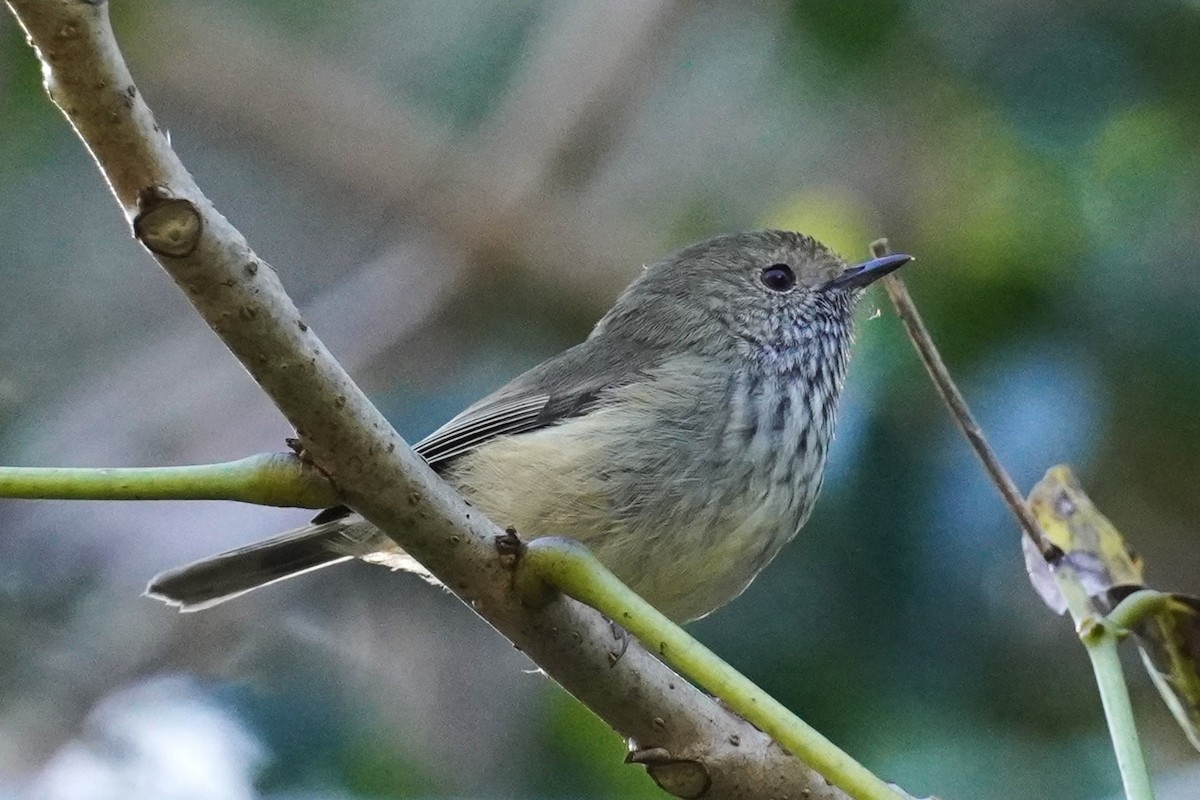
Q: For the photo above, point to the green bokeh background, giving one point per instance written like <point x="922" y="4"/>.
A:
<point x="1040" y="160"/>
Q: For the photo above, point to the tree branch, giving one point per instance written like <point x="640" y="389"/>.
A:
<point x="242" y="300"/>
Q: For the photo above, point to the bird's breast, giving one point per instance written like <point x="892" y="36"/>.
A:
<point x="776" y="439"/>
<point x="685" y="485"/>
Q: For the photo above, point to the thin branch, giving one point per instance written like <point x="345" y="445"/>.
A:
<point x="957" y="404"/>
<point x="241" y="299"/>
<point x="269" y="479"/>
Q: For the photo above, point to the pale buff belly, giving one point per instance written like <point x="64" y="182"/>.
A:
<point x="682" y="545"/>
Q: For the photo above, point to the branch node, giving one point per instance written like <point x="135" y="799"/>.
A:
<point x="682" y="777"/>
<point x="510" y="547"/>
<point x="167" y="226"/>
<point x="530" y="581"/>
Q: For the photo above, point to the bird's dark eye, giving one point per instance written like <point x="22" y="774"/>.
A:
<point x="778" y="277"/>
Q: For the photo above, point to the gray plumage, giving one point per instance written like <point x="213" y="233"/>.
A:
<point x="683" y="441"/>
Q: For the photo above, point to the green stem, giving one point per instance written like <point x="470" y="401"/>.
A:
<point x="1136" y="606"/>
<point x="1100" y="637"/>
<point x="567" y="566"/>
<point x="1114" y="695"/>
<point x="269" y="479"/>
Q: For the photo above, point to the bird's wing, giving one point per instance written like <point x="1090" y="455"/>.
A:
<point x="502" y="416"/>
<point x="545" y="395"/>
<point x="479" y="424"/>
<point x="570" y="384"/>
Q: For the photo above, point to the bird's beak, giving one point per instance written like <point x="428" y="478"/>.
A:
<point x="866" y="273"/>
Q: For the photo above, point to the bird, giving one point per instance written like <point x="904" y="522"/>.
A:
<point x="683" y="441"/>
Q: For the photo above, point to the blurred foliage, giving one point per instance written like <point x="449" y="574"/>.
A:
<point x="1037" y="158"/>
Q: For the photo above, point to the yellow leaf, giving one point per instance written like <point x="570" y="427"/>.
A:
<point x="1109" y="571"/>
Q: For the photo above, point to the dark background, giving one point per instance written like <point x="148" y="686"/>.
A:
<point x="454" y="191"/>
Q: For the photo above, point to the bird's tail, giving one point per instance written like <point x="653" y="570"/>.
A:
<point x="214" y="580"/>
